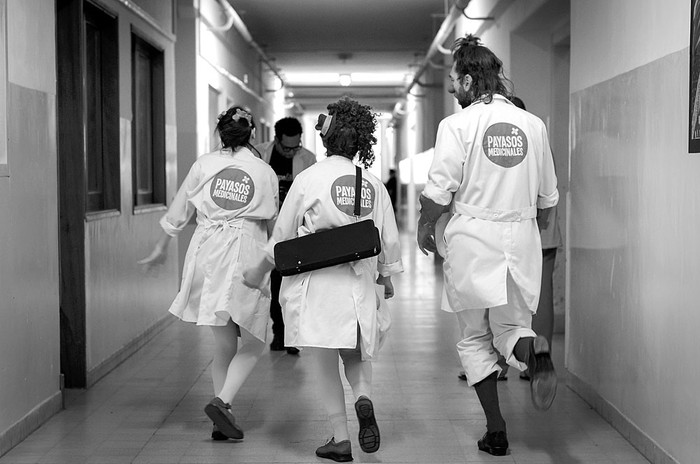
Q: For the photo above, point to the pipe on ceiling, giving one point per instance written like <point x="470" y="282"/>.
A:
<point x="442" y="34"/>
<point x="233" y="20"/>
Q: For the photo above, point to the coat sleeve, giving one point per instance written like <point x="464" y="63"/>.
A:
<point x="445" y="174"/>
<point x="389" y="260"/>
<point x="181" y="209"/>
<point x="548" y="195"/>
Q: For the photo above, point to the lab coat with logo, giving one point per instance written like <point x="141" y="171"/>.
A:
<point x="234" y="195"/>
<point x="493" y="165"/>
<point x="323" y="308"/>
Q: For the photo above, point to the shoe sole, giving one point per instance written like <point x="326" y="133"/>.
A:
<point x="225" y="425"/>
<point x="369" y="431"/>
<point x="335" y="456"/>
<point x="543" y="383"/>
<point x="492" y="450"/>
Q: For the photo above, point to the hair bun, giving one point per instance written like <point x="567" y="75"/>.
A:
<point x="470" y="40"/>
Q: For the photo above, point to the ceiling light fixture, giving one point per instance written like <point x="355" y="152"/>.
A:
<point x="310" y="78"/>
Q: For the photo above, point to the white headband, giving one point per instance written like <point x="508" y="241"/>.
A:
<point x="326" y="124"/>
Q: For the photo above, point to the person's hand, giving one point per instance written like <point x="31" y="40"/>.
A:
<point x="430" y="212"/>
<point x="156" y="258"/>
<point x="543" y="216"/>
<point x="426" y="237"/>
<point x="388" y="286"/>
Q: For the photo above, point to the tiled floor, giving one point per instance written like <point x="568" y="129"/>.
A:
<point x="149" y="410"/>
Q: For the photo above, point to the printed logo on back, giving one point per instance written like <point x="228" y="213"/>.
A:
<point x="232" y="189"/>
<point x="505" y="144"/>
<point x="343" y="195"/>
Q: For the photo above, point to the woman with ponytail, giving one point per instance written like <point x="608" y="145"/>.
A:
<point x="234" y="196"/>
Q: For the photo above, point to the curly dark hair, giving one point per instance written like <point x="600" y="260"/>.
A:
<point x="353" y="131"/>
<point x="236" y="132"/>
<point x="484" y="67"/>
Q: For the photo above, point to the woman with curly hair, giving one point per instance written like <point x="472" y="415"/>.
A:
<point x="332" y="312"/>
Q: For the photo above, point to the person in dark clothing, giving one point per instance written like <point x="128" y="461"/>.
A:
<point x="287" y="158"/>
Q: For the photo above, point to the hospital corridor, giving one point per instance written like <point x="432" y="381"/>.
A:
<point x="147" y="147"/>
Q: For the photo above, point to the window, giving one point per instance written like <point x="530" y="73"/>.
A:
<point x="102" y="105"/>
<point x="148" y="79"/>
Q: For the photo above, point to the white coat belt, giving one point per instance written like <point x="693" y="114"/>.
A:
<point x="495" y="215"/>
<point x="236" y="223"/>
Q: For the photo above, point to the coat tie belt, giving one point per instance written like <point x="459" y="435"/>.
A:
<point x="495" y="215"/>
<point x="235" y="223"/>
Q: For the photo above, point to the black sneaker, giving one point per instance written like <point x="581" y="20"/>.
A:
<point x="216" y="434"/>
<point x="292" y="350"/>
<point x="494" y="443"/>
<point x="369" y="431"/>
<point x="339" y="452"/>
<point x="543" y="379"/>
<point x="219" y="412"/>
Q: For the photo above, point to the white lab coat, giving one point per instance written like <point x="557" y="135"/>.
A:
<point x="323" y="308"/>
<point x="494" y="199"/>
<point x="234" y="195"/>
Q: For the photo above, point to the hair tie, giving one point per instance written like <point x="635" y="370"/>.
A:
<point x="242" y="114"/>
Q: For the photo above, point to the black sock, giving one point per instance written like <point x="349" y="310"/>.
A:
<point x="487" y="392"/>
<point x="523" y="349"/>
<point x="524" y="352"/>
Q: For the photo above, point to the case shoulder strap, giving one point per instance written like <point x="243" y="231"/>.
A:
<point x="358" y="189"/>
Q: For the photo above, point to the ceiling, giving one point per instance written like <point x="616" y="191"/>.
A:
<point x="344" y="37"/>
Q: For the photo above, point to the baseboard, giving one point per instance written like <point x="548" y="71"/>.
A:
<point x="106" y="366"/>
<point x="29" y="423"/>
<point x="637" y="438"/>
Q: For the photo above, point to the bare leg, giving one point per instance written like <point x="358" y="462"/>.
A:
<point x="225" y="348"/>
<point x="358" y="373"/>
<point x="330" y="390"/>
<point x="241" y="364"/>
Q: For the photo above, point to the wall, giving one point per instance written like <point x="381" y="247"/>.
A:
<point x="124" y="305"/>
<point x="29" y="300"/>
<point x="633" y="319"/>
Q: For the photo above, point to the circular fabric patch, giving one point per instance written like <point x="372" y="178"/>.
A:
<point x="343" y="195"/>
<point x="505" y="144"/>
<point x="232" y="189"/>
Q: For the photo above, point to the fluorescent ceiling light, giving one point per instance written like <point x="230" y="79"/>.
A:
<point x="379" y="77"/>
<point x="311" y="78"/>
<point x="362" y="78"/>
